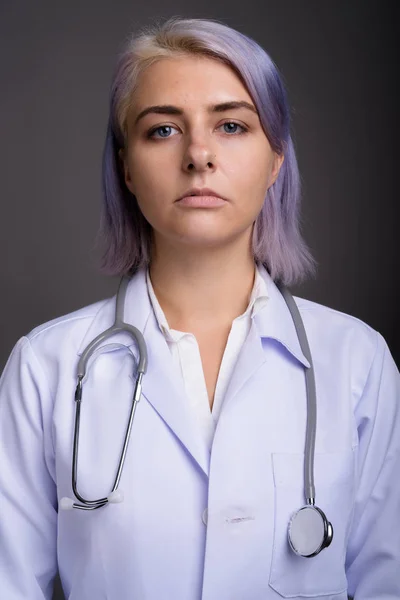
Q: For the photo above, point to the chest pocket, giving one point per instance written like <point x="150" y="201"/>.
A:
<point x="294" y="576"/>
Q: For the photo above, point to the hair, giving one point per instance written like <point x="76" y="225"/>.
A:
<point x="125" y="233"/>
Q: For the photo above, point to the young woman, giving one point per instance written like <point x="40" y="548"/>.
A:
<point x="186" y="448"/>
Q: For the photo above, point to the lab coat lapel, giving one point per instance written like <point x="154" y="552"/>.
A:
<point x="250" y="359"/>
<point x="162" y="385"/>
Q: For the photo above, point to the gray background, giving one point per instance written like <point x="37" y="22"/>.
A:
<point x="339" y="62"/>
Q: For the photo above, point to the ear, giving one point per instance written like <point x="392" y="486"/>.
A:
<point x="125" y="169"/>
<point x="276" y="167"/>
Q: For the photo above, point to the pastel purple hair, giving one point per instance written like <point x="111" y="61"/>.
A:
<point x="124" y="232"/>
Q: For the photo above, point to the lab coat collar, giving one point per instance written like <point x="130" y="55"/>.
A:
<point x="163" y="386"/>
<point x="275" y="321"/>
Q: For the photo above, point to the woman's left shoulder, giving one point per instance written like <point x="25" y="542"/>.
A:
<point x="341" y="335"/>
<point x="350" y="354"/>
<point x="321" y="315"/>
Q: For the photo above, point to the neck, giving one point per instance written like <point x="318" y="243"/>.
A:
<point x="206" y="288"/>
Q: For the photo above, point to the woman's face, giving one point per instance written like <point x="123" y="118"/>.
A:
<point x="191" y="144"/>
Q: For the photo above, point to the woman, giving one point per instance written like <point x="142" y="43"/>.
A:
<point x="201" y="210"/>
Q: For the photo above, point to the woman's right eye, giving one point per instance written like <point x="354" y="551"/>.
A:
<point x="162" y="129"/>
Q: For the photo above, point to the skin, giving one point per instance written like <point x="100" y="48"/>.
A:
<point x="202" y="267"/>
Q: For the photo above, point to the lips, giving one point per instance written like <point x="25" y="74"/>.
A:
<point x="201" y="192"/>
<point x="201" y="201"/>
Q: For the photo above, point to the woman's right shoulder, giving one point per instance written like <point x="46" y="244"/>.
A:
<point x="68" y="330"/>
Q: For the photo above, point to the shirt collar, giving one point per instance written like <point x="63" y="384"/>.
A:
<point x="258" y="299"/>
<point x="273" y="320"/>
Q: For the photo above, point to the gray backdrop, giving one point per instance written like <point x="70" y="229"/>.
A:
<point x="339" y="62"/>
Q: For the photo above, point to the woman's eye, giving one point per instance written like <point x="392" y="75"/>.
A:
<point x="233" y="129"/>
<point x="165" y="130"/>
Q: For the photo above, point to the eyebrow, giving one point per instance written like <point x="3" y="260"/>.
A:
<point x="168" y="109"/>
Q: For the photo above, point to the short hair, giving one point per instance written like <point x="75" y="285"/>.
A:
<point x="124" y="232"/>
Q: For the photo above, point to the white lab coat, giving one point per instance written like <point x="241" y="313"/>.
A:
<point x="156" y="545"/>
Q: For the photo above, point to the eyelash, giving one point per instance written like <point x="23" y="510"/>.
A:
<point x="152" y="131"/>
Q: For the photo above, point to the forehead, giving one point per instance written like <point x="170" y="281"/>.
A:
<point x="188" y="79"/>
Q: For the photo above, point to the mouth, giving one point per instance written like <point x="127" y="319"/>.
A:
<point x="201" y="192"/>
<point x="201" y="201"/>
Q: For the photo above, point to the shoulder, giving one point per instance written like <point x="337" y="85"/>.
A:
<point x="320" y="315"/>
<point x="57" y="342"/>
<point x="340" y="339"/>
<point x="67" y="330"/>
<point x="49" y="350"/>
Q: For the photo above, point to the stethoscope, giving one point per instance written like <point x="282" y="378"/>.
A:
<point x="309" y="530"/>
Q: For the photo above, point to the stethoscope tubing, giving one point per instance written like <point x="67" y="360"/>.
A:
<point x="311" y="426"/>
<point x="296" y="542"/>
<point x="118" y="327"/>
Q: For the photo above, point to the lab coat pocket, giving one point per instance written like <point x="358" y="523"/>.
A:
<point x="294" y="576"/>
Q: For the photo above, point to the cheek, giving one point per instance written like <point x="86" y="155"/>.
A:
<point x="148" y="178"/>
<point x="250" y="181"/>
<point x="150" y="187"/>
<point x="152" y="165"/>
<point x="250" y="167"/>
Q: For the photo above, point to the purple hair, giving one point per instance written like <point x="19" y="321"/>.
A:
<point x="124" y="232"/>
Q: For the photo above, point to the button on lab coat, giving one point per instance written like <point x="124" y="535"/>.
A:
<point x="195" y="524"/>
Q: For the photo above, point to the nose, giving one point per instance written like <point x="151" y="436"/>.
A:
<point x="199" y="156"/>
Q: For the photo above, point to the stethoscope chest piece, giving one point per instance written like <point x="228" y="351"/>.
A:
<point x="309" y="531"/>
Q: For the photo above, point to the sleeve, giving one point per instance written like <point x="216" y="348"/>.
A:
<point x="28" y="499"/>
<point x="373" y="553"/>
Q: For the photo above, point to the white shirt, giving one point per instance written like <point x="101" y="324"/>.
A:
<point x="186" y="355"/>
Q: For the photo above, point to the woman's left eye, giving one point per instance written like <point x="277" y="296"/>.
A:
<point x="242" y="127"/>
<point x="162" y="129"/>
